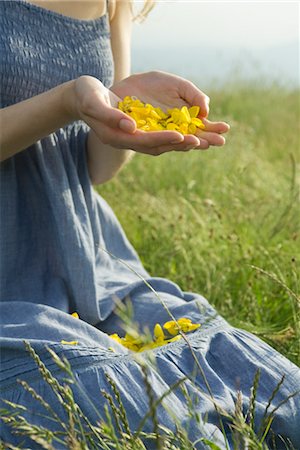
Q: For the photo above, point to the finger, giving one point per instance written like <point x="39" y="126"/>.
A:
<point x="212" y="138"/>
<point x="95" y="106"/>
<point x="155" y="151"/>
<point x="113" y="118"/>
<point x="193" y="96"/>
<point x="139" y="139"/>
<point x="157" y="140"/>
<point x="189" y="143"/>
<point x="147" y="142"/>
<point x="216" y="127"/>
<point x="203" y="145"/>
<point x="94" y="101"/>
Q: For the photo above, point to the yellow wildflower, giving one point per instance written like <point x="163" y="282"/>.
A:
<point x="150" y="118"/>
<point x="158" y="343"/>
<point x="139" y="343"/>
<point x="182" y="324"/>
<point x="131" y="342"/>
<point x="186" y="325"/>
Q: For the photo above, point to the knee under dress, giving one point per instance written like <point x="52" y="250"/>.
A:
<point x="63" y="250"/>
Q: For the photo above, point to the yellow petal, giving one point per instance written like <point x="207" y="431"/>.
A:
<point x="192" y="128"/>
<point x="121" y="106"/>
<point x="194" y="111"/>
<point x="141" y="123"/>
<point x="185" y="115"/>
<point x="153" y="124"/>
<point x="68" y="342"/>
<point x="148" y="105"/>
<point x="184" y="320"/>
<point x="184" y="128"/>
<point x="133" y="338"/>
<point x="161" y="113"/>
<point x="130" y="346"/>
<point x="169" y="120"/>
<point x="75" y="315"/>
<point x="186" y="119"/>
<point x="141" y="111"/>
<point x="175" y="338"/>
<point x="158" y="332"/>
<point x="198" y="123"/>
<point x="127" y="99"/>
<point x="171" y="327"/>
<point x="172" y="126"/>
<point x="186" y="325"/>
<point x="154" y="114"/>
<point x="176" y="116"/>
<point x="116" y="337"/>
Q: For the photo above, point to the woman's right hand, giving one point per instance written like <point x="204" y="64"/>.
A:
<point x="97" y="106"/>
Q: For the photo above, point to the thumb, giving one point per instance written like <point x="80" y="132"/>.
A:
<point x="97" y="102"/>
<point x="127" y="124"/>
<point x="110" y="116"/>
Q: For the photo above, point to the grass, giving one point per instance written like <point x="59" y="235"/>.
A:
<point x="225" y="222"/>
<point x="76" y="432"/>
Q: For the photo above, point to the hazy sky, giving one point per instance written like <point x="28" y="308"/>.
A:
<point x="219" y="23"/>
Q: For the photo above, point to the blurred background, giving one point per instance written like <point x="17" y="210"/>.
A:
<point x="212" y="42"/>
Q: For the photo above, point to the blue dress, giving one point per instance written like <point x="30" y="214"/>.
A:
<point x="63" y="250"/>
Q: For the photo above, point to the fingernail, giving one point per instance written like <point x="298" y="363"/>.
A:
<point x="127" y="126"/>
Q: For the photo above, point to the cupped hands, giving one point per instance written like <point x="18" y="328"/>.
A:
<point x="98" y="107"/>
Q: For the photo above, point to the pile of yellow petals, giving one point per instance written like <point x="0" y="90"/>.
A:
<point x="149" y="118"/>
<point x="140" y="343"/>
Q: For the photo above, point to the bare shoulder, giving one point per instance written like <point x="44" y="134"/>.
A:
<point x="119" y="10"/>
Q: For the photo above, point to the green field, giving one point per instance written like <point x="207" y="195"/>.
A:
<point x="225" y="222"/>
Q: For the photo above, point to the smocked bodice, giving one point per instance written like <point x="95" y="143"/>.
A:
<point x="50" y="228"/>
<point x="40" y="49"/>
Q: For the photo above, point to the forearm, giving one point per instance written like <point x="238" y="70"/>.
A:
<point x="104" y="161"/>
<point x="26" y="122"/>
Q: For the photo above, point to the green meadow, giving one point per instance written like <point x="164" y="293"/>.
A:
<point x="225" y="222"/>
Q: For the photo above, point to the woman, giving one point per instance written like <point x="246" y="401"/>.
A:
<point x="63" y="249"/>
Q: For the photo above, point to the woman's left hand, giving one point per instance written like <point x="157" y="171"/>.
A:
<point x="167" y="91"/>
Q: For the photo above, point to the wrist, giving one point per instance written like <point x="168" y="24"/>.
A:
<point x="68" y="101"/>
